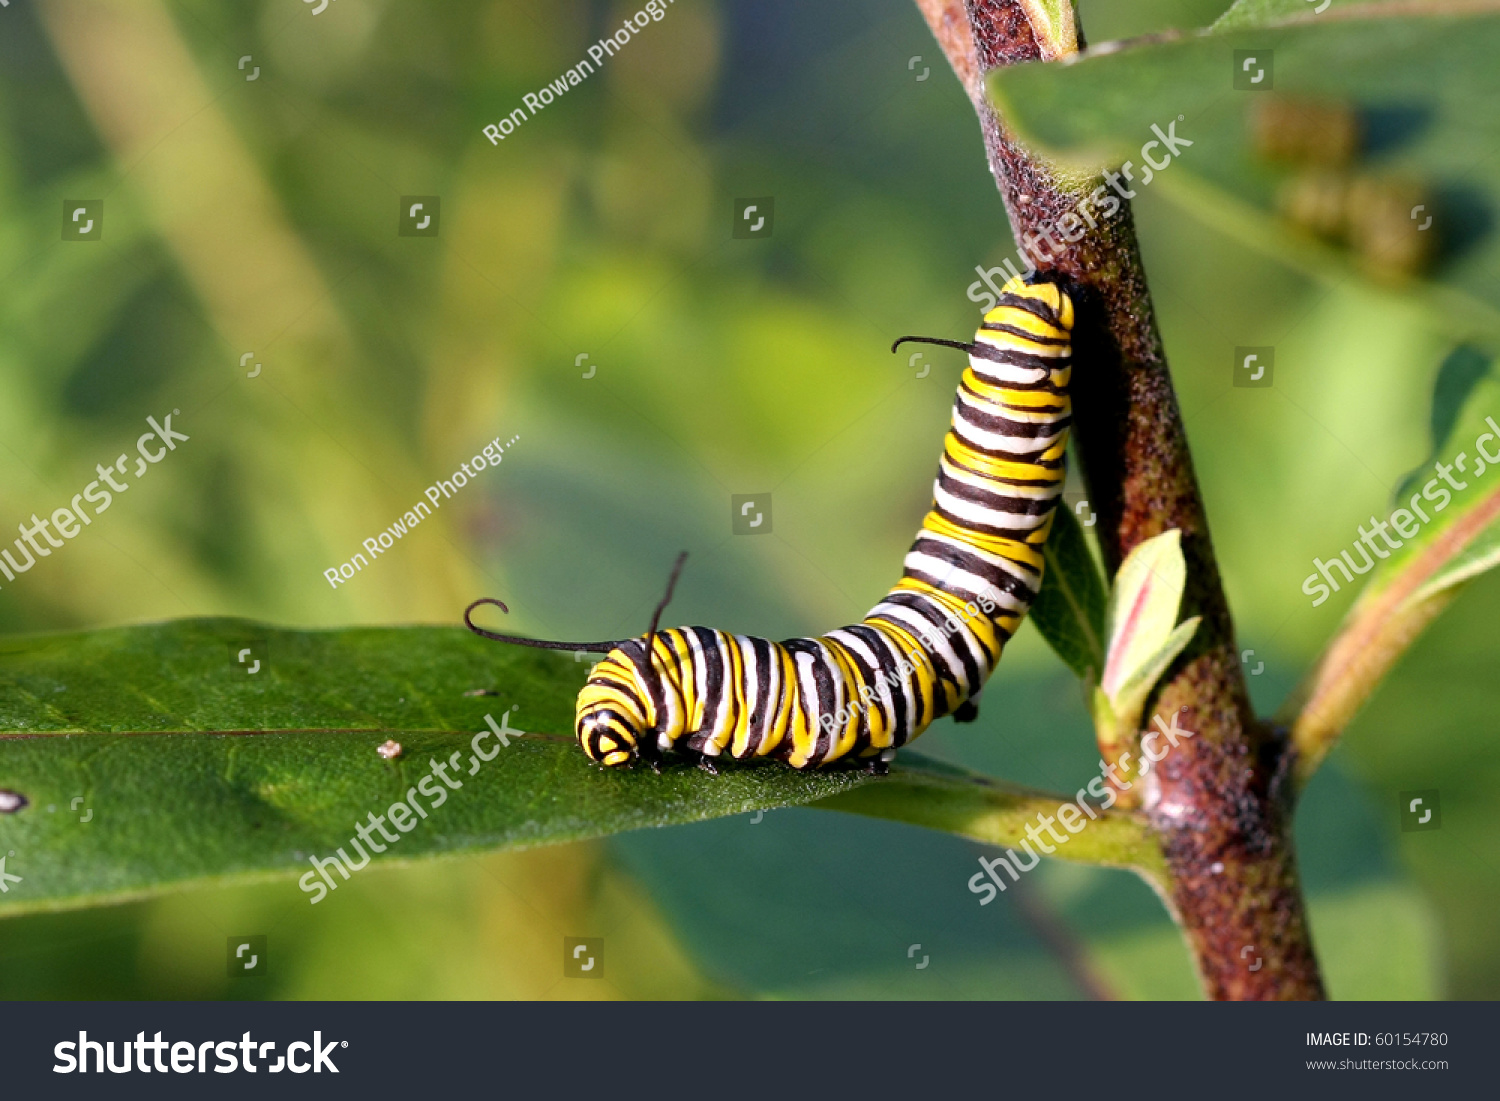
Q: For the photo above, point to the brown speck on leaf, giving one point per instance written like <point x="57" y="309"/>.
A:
<point x="12" y="801"/>
<point x="389" y="749"/>
<point x="481" y="692"/>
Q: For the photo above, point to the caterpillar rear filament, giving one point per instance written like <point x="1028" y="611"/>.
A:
<point x="928" y="647"/>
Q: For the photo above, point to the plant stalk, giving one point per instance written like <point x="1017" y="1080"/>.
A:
<point x="1220" y="803"/>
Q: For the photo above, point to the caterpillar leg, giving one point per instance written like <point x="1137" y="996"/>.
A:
<point x="967" y="711"/>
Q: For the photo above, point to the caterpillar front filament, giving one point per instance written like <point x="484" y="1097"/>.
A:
<point x="928" y="647"/>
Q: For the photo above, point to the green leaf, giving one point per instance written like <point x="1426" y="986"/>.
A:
<point x="1130" y="696"/>
<point x="1481" y="555"/>
<point x="1053" y="24"/>
<point x="1456" y="543"/>
<point x="149" y="758"/>
<point x="1415" y="78"/>
<point x="938" y="796"/>
<point x="1465" y="406"/>
<point x="1438" y="535"/>
<point x="1142" y="609"/>
<point x="194" y="769"/>
<point x="1069" y="609"/>
<point x="1144" y="636"/>
<point x="1261" y="13"/>
<point x="1463" y="370"/>
<point x="1106" y="722"/>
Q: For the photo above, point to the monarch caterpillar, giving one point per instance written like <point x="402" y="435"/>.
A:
<point x="928" y="647"/>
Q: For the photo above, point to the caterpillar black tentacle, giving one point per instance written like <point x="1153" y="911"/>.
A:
<point x="519" y="640"/>
<point x="926" y="650"/>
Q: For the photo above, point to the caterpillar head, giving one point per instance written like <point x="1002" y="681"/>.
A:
<point x="607" y="736"/>
<point x="611" y="724"/>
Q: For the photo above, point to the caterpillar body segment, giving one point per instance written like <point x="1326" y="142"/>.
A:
<point x="927" y="648"/>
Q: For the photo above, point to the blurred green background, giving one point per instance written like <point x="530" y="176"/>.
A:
<point x="261" y="216"/>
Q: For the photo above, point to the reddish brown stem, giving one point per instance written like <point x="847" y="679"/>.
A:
<point x="1219" y="803"/>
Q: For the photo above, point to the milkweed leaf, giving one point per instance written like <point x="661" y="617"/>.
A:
<point x="1142" y="609"/>
<point x="1053" y="24"/>
<point x="142" y="759"/>
<point x="1142" y="628"/>
<point x="1069" y="609"/>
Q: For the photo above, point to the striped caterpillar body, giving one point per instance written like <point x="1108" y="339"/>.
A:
<point x="928" y="647"/>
